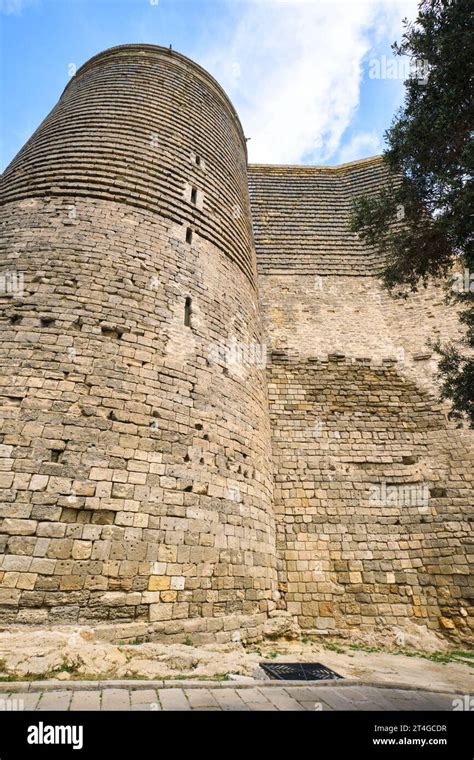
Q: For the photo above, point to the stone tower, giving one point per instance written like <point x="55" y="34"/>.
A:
<point x="157" y="467"/>
<point x="137" y="482"/>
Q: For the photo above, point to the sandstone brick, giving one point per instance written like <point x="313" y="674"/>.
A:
<point x="26" y="581"/>
<point x="9" y="597"/>
<point x="38" y="482"/>
<point x="158" y="583"/>
<point x="19" y="527"/>
<point x="81" y="549"/>
<point x="12" y="562"/>
<point x="160" y="612"/>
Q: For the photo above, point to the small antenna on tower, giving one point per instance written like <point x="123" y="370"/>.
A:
<point x="171" y="47"/>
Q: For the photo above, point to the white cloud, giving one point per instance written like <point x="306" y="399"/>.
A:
<point x="293" y="71"/>
<point x="14" y="7"/>
<point x="360" y="145"/>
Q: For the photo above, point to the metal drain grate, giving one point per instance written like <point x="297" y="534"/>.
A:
<point x="299" y="671"/>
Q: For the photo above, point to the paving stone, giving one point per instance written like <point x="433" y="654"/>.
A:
<point x="201" y="698"/>
<point x="417" y="701"/>
<point x="229" y="699"/>
<point x="441" y="702"/>
<point x="336" y="698"/>
<point x="85" y="700"/>
<point x="366" y="698"/>
<point x="303" y="693"/>
<point x="173" y="699"/>
<point x="115" y="699"/>
<point x="145" y="699"/>
<point x="255" y="699"/>
<point x="316" y="705"/>
<point x="310" y="699"/>
<point x="55" y="700"/>
<point x="18" y="701"/>
<point x="281" y="700"/>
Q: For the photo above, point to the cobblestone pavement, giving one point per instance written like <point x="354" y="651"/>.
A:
<point x="157" y="696"/>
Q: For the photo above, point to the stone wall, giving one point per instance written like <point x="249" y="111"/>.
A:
<point x="136" y="467"/>
<point x="301" y="217"/>
<point x="373" y="486"/>
<point x="373" y="495"/>
<point x="315" y="316"/>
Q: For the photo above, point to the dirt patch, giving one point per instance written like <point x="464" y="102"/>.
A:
<point x="75" y="653"/>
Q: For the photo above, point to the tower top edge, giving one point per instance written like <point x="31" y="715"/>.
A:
<point x="309" y="168"/>
<point x="158" y="51"/>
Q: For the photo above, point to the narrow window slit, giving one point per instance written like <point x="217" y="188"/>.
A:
<point x="187" y="311"/>
<point x="55" y="454"/>
<point x="189" y="235"/>
<point x="193" y="196"/>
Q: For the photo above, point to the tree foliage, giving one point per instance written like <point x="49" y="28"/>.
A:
<point x="421" y="221"/>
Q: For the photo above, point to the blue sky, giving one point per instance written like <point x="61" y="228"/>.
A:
<point x="299" y="72"/>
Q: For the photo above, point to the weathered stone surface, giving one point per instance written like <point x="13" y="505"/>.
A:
<point x="281" y="624"/>
<point x="198" y="437"/>
<point x="70" y="653"/>
<point x="147" y="449"/>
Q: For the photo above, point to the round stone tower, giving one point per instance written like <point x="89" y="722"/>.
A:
<point x="135" y="433"/>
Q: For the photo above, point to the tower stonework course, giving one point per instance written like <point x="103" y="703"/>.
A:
<point x="140" y="486"/>
<point x="210" y="410"/>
